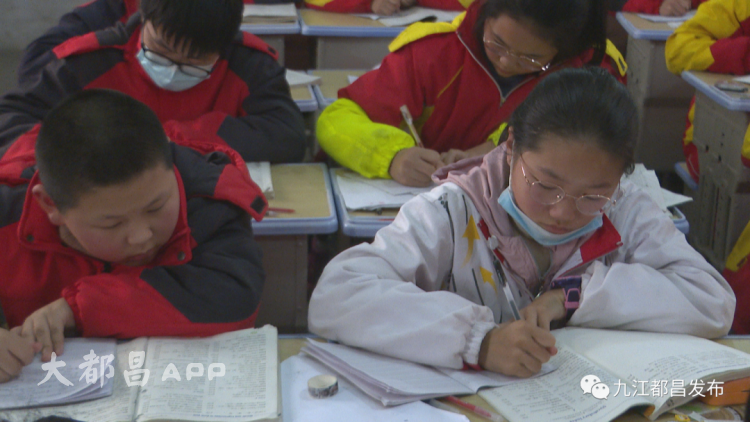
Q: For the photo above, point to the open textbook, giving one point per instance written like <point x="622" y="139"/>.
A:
<point x="185" y="382"/>
<point x="411" y="15"/>
<point x="394" y="381"/>
<point x="83" y="372"/>
<point x="601" y="374"/>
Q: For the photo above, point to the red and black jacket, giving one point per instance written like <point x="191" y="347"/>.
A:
<point x="246" y="101"/>
<point x="207" y="278"/>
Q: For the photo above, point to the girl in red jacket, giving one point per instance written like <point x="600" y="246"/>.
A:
<point x="461" y="82"/>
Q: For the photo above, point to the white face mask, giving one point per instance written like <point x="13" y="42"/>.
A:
<point x="168" y="77"/>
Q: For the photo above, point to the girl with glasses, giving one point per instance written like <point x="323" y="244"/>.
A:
<point x="461" y="82"/>
<point x="538" y="233"/>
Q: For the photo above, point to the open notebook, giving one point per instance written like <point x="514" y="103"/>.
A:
<point x="79" y="376"/>
<point x="394" y="381"/>
<point x="361" y="193"/>
<point x="248" y="389"/>
<point x="656" y="371"/>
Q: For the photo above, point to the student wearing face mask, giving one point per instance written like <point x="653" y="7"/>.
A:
<point x="186" y="59"/>
<point x="542" y="224"/>
<point x="461" y="81"/>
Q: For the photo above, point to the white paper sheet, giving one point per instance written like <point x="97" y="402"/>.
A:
<point x="349" y="404"/>
<point x="270" y="10"/>
<point x="260" y="172"/>
<point x="665" y="19"/>
<point x="295" y="78"/>
<point x="744" y="79"/>
<point x="648" y="181"/>
<point x="360" y="193"/>
<point x="353" y="78"/>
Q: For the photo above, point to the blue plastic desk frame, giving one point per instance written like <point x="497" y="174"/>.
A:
<point x="299" y="226"/>
<point x="368" y="226"/>
<point x="642" y="34"/>
<point x="307" y="106"/>
<point x="722" y="98"/>
<point x="356" y="226"/>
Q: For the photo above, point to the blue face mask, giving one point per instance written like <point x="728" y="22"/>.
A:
<point x="536" y="232"/>
<point x="168" y="77"/>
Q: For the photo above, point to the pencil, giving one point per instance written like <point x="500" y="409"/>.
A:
<point x="410" y="122"/>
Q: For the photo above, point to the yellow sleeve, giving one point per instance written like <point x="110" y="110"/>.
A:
<point x="347" y="134"/>
<point x="497" y="134"/>
<point x="689" y="47"/>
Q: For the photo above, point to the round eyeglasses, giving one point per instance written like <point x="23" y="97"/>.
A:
<point x="525" y="62"/>
<point x="549" y="194"/>
<point x="191" y="70"/>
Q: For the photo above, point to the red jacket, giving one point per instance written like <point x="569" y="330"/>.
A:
<point x="206" y="280"/>
<point x="246" y="101"/>
<point x="439" y="72"/>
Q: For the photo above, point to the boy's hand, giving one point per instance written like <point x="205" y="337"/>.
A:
<point x="47" y="326"/>
<point x="674" y="7"/>
<point x="414" y="166"/>
<point x="517" y="348"/>
<point x="15" y="353"/>
<point x="546" y="308"/>
<point x="385" y="7"/>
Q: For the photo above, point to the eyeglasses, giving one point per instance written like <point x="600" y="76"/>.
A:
<point x="191" y="70"/>
<point x="549" y="194"/>
<point x="525" y="62"/>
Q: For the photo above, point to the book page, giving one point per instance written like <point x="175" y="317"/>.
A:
<point x="558" y="396"/>
<point x="119" y="407"/>
<point x="480" y="379"/>
<point x="247" y="391"/>
<point x="653" y="362"/>
<point x="64" y="381"/>
<point x="360" y="193"/>
<point x="660" y="18"/>
<point x="270" y="10"/>
<point x="260" y="172"/>
<point x="416" y="14"/>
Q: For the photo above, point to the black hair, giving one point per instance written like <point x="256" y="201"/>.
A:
<point x="586" y="105"/>
<point x="571" y="26"/>
<point x="97" y="138"/>
<point x="204" y="26"/>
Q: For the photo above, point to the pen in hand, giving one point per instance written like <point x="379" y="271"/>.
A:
<point x="410" y="122"/>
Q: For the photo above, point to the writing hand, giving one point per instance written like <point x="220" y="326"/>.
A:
<point x="47" y="326"/>
<point x="414" y="166"/>
<point x="517" y="348"/>
<point x="548" y="307"/>
<point x="385" y="7"/>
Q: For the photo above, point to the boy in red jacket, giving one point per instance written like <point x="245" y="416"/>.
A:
<point x="110" y="230"/>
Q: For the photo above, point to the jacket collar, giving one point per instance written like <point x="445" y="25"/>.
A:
<point x="36" y="232"/>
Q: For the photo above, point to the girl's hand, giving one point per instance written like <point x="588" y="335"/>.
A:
<point x="548" y="307"/>
<point x="414" y="166"/>
<point x="47" y="326"/>
<point x="15" y="353"/>
<point x="385" y="7"/>
<point x="674" y="7"/>
<point x="517" y="348"/>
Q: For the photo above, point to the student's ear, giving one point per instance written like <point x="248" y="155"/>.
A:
<point x="509" y="145"/>
<point x="47" y="204"/>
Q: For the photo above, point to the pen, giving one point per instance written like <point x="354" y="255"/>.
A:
<point x="273" y="211"/>
<point x="410" y="122"/>
<point x="506" y="289"/>
<point x="476" y="409"/>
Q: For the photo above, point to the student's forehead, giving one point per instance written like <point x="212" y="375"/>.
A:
<point x="132" y="195"/>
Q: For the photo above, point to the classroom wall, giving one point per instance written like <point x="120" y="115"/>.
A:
<point x="23" y="20"/>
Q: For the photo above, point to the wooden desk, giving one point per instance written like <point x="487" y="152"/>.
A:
<point x="291" y="346"/>
<point x="663" y="99"/>
<point x="305" y="98"/>
<point x="283" y="239"/>
<point x="345" y="41"/>
<point x="330" y="83"/>
<point x="720" y="123"/>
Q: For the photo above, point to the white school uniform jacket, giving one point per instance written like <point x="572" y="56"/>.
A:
<point x="426" y="289"/>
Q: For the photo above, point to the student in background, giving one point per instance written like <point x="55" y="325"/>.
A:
<point x="547" y="212"/>
<point x="716" y="39"/>
<point x="110" y="230"/>
<point x="186" y="59"/>
<point x="460" y="81"/>
<point x="383" y="7"/>
<point x="661" y="7"/>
